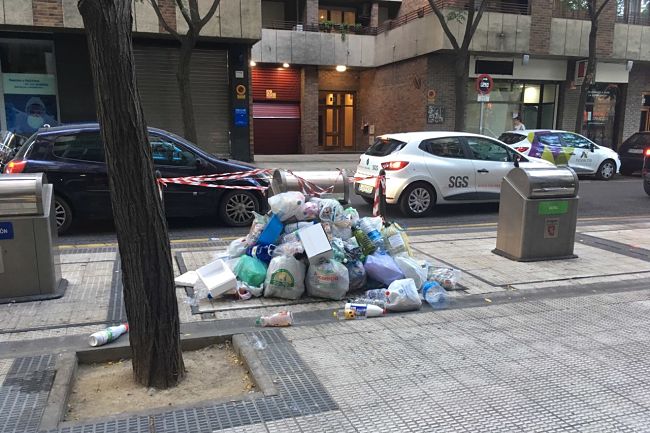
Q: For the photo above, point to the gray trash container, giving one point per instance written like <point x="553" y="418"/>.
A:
<point x="29" y="266"/>
<point x="538" y="210"/>
<point x="284" y="181"/>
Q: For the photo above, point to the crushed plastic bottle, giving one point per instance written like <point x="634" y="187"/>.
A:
<point x="355" y="311"/>
<point x="435" y="295"/>
<point x="107" y="335"/>
<point x="371" y="227"/>
<point x="283" y="318"/>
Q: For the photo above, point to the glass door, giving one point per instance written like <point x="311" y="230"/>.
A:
<point x="336" y="120"/>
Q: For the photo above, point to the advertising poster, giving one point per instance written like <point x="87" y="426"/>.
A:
<point x="30" y="102"/>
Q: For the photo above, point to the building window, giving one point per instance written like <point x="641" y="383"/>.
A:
<point x="534" y="102"/>
<point x="337" y="16"/>
<point x="28" y="85"/>
<point x="600" y="110"/>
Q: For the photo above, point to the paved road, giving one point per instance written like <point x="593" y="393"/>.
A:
<point x="622" y="197"/>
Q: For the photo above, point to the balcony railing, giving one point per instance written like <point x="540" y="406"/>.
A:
<point x="634" y="18"/>
<point x="563" y="10"/>
<point x="500" y="6"/>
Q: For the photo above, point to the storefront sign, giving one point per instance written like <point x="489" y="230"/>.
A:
<point x="241" y="117"/>
<point x="270" y="94"/>
<point x="30" y="102"/>
<point x="435" y="114"/>
<point x="484" y="84"/>
<point x="6" y="231"/>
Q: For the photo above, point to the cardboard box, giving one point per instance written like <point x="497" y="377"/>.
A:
<point x="317" y="245"/>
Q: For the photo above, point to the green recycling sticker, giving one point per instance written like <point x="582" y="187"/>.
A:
<point x="558" y="207"/>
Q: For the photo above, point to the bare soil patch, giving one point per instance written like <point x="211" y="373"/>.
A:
<point x="214" y="372"/>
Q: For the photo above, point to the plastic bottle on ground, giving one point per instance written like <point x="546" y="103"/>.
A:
<point x="107" y="335"/>
<point x="435" y="295"/>
<point x="370" y="309"/>
<point x="364" y="242"/>
<point x="368" y="226"/>
<point x="283" y="318"/>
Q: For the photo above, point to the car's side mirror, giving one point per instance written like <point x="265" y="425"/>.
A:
<point x="515" y="160"/>
<point x="592" y="147"/>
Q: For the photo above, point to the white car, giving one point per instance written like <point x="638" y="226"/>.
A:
<point x="428" y="168"/>
<point x="565" y="148"/>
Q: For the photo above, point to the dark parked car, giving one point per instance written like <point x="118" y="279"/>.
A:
<point x="631" y="152"/>
<point x="72" y="156"/>
<point x="9" y="145"/>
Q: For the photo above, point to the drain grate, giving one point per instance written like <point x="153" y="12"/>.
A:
<point x="116" y="311"/>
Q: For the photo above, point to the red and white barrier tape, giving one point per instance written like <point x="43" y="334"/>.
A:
<point x="203" y="180"/>
<point x="380" y="183"/>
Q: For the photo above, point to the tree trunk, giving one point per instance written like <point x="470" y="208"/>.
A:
<point x="589" y="76"/>
<point x="461" y="72"/>
<point x="185" y="88"/>
<point x="147" y="272"/>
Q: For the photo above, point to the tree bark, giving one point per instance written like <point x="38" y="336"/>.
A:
<point x="185" y="88"/>
<point x="147" y="271"/>
<point x="589" y="76"/>
<point x="461" y="72"/>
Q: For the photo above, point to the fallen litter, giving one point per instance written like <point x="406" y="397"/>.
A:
<point x="109" y="334"/>
<point x="317" y="247"/>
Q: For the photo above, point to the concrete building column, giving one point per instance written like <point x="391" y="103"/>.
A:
<point x="310" y="15"/>
<point x="309" y="109"/>
<point x="374" y="15"/>
<point x="540" y="26"/>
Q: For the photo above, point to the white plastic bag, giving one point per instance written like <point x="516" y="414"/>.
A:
<point x="237" y="248"/>
<point x="285" y="278"/>
<point x="328" y="280"/>
<point x="286" y="204"/>
<point x="330" y="210"/>
<point x="411" y="269"/>
<point x="448" y="278"/>
<point x="403" y="296"/>
<point x="307" y="211"/>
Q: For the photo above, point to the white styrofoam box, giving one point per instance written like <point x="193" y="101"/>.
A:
<point x="317" y="245"/>
<point x="217" y="278"/>
<point x="188" y="279"/>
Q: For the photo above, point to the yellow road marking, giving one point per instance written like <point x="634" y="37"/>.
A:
<point x="412" y="229"/>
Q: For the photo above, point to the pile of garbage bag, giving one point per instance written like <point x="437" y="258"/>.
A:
<point x="316" y="247"/>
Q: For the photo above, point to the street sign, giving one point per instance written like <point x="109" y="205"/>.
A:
<point x="484" y="84"/>
<point x="483" y="98"/>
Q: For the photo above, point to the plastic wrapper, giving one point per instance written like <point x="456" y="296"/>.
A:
<point x="382" y="268"/>
<point x="286" y="204"/>
<point x="285" y="278"/>
<point x="411" y="269"/>
<point x="327" y="280"/>
<point x="402" y="295"/>
<point x="294" y="227"/>
<point x="448" y="278"/>
<point x="288" y="238"/>
<point x="396" y="240"/>
<point x="289" y="248"/>
<point x="307" y="211"/>
<point x="257" y="227"/>
<point x="237" y="247"/>
<point x="330" y="210"/>
<point x="250" y="270"/>
<point x="356" y="274"/>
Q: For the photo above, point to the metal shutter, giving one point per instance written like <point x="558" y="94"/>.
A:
<point x="156" y="74"/>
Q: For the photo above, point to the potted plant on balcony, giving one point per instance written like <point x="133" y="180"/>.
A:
<point x="326" y="26"/>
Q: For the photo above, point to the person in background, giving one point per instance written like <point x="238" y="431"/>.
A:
<point x="517" y="124"/>
<point x="34" y="117"/>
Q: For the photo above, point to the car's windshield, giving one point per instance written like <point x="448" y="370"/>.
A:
<point x="384" y="146"/>
<point x="638" y="141"/>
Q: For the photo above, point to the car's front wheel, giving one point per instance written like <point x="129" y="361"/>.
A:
<point x="417" y="200"/>
<point x="607" y="170"/>
<point x="237" y="206"/>
<point x="62" y="214"/>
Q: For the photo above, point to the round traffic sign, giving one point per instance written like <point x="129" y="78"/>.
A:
<point x="484" y="84"/>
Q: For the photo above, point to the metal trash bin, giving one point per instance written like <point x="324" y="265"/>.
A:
<point x="283" y="181"/>
<point x="29" y="265"/>
<point x="538" y="210"/>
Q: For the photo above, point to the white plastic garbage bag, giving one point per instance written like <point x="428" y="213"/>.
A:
<point x="403" y="296"/>
<point x="286" y="204"/>
<point x="237" y="247"/>
<point x="285" y="278"/>
<point x="411" y="269"/>
<point x="328" y="279"/>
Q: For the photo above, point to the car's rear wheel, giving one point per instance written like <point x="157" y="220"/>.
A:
<point x="417" y="200"/>
<point x="236" y="208"/>
<point x="62" y="214"/>
<point x="606" y="170"/>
